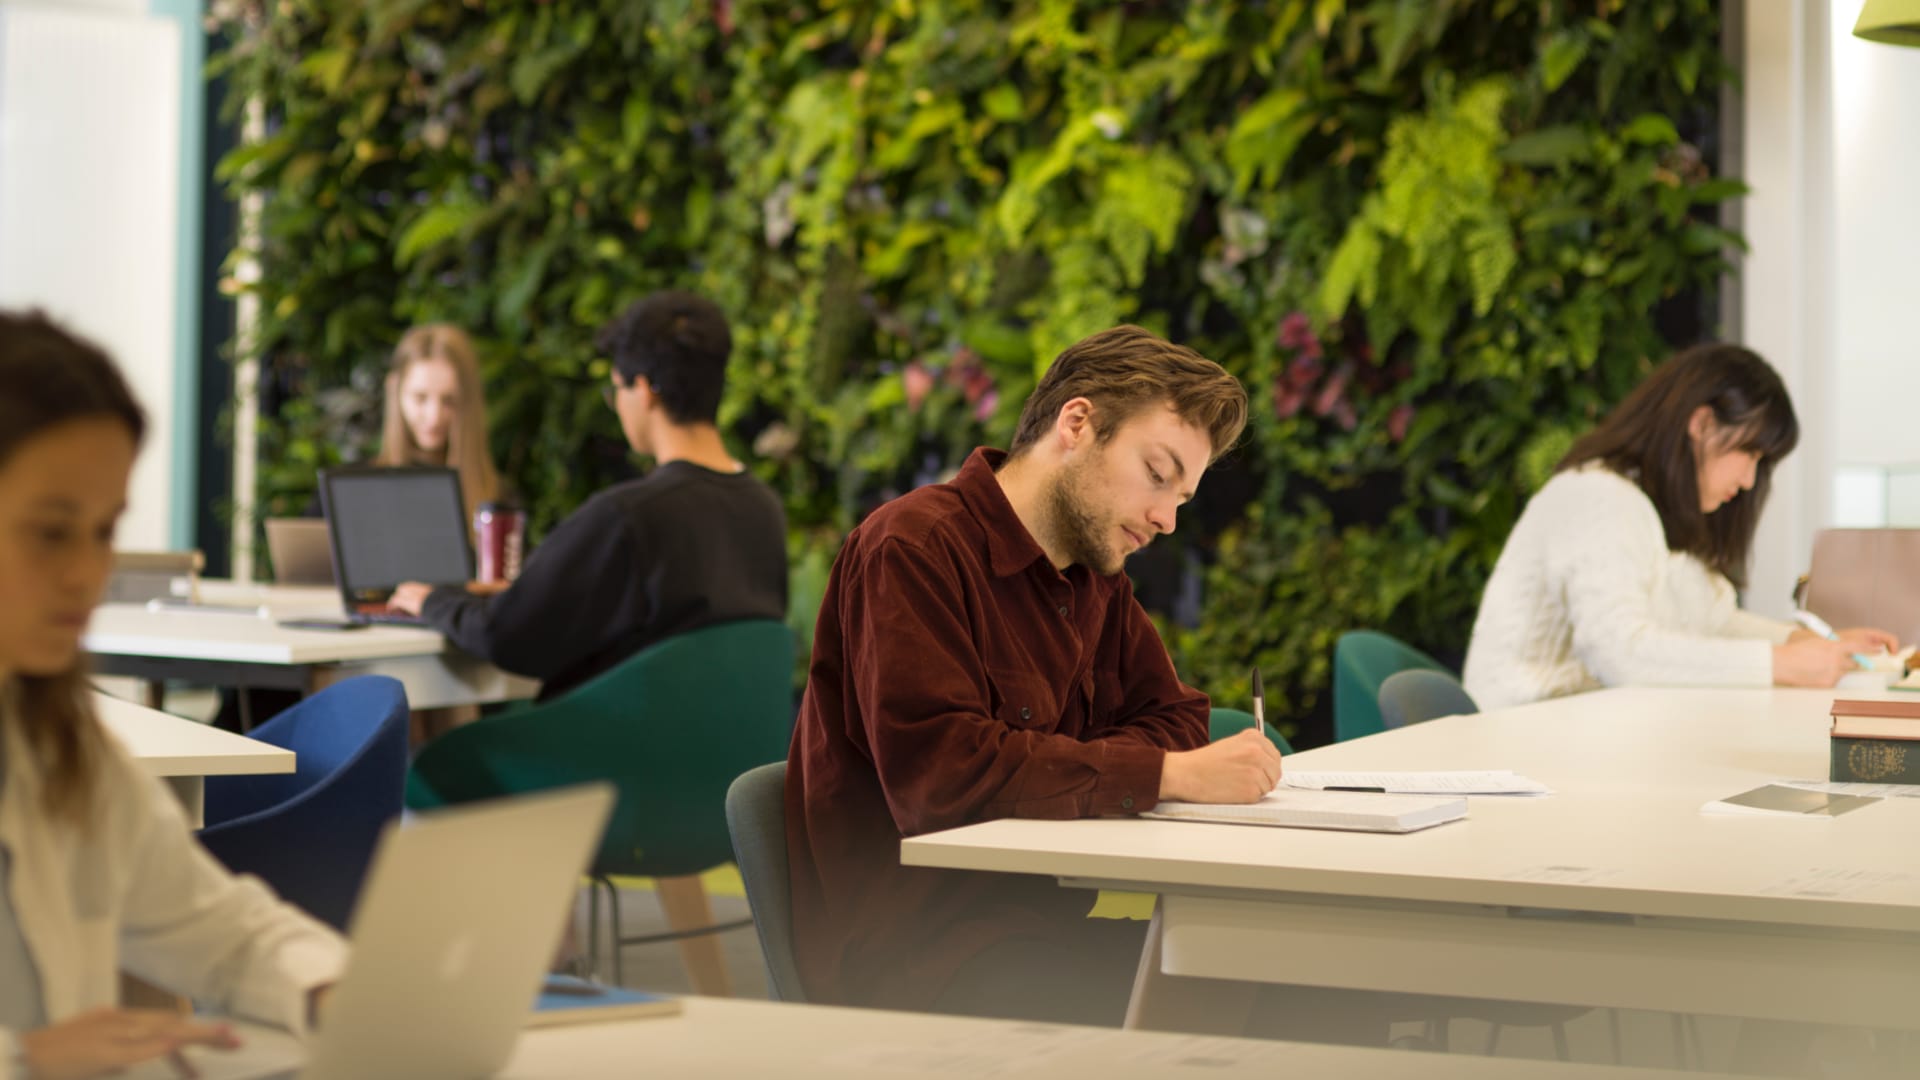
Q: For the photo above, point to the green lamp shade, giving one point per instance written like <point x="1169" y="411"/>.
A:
<point x="1894" y="22"/>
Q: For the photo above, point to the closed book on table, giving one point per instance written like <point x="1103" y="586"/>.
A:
<point x="1875" y="742"/>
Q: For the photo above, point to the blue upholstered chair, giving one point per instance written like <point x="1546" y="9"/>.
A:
<point x="310" y="833"/>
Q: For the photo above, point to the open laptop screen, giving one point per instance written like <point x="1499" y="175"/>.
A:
<point x="391" y="525"/>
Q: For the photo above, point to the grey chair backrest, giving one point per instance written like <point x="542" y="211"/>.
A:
<point x="757" y="823"/>
<point x="1416" y="696"/>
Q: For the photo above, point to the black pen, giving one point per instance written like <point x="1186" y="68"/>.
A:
<point x="1259" y="704"/>
<point x="1375" y="790"/>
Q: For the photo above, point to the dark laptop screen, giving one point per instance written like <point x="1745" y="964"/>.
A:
<point x="395" y="525"/>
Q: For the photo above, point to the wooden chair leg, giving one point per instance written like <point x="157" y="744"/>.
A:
<point x="593" y="929"/>
<point x="684" y="900"/>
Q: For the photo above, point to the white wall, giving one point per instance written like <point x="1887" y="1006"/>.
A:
<point x="89" y="195"/>
<point x="1786" y="307"/>
<point x="1876" y="134"/>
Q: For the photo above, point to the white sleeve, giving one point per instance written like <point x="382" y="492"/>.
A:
<point x="12" y="1054"/>
<point x="1741" y="623"/>
<point x="193" y="927"/>
<point x="1610" y="552"/>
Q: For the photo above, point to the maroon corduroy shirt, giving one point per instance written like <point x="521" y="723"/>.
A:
<point x="958" y="677"/>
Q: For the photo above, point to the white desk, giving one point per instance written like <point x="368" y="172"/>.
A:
<point x="223" y="648"/>
<point x="719" y="1037"/>
<point x="1616" y="891"/>
<point x="183" y="752"/>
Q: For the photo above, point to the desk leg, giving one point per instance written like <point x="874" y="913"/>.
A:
<point x="1163" y="1002"/>
<point x="192" y="793"/>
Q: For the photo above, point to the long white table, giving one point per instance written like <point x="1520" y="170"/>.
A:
<point x="725" y="1038"/>
<point x="222" y="648"/>
<point x="184" y="753"/>
<point x="1616" y="891"/>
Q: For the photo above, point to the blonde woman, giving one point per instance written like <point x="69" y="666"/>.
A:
<point x="436" y="410"/>
<point x="98" y="871"/>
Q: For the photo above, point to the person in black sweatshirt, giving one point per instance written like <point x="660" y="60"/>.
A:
<point x="696" y="541"/>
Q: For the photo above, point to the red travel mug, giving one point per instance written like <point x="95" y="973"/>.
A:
<point x="500" y="529"/>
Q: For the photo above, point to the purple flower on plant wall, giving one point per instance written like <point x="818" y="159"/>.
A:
<point x="988" y="404"/>
<point x="1333" y="393"/>
<point x="918" y="383"/>
<point x="1399" y="420"/>
<point x="1296" y="333"/>
<point x="1287" y="398"/>
<point x="1294" y="330"/>
<point x="974" y="382"/>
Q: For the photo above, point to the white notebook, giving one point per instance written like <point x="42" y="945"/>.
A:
<point x="1324" y="810"/>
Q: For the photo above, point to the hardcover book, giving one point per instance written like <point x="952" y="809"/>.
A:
<point x="1875" y="742"/>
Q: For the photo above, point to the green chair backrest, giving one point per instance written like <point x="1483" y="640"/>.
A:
<point x="1362" y="660"/>
<point x="1225" y="722"/>
<point x="670" y="727"/>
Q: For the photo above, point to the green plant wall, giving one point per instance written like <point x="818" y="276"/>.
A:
<point x="1433" y="237"/>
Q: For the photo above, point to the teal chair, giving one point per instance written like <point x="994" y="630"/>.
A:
<point x="757" y="818"/>
<point x="670" y="727"/>
<point x="1362" y="660"/>
<point x="1417" y="695"/>
<point x="1223" y="723"/>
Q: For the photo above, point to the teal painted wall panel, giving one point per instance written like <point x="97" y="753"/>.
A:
<point x="183" y="454"/>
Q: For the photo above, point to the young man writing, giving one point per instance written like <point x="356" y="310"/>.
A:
<point x="696" y="541"/>
<point x="980" y="654"/>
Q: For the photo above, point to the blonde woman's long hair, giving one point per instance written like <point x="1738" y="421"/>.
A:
<point x="467" y="450"/>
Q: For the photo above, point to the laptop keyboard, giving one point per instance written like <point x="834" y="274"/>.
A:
<point x="380" y="613"/>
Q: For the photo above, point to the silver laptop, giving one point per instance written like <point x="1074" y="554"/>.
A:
<point x="451" y="941"/>
<point x="301" y="550"/>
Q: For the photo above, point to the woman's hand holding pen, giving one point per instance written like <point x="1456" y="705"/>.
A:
<point x="1238" y="769"/>
<point x="1812" y="661"/>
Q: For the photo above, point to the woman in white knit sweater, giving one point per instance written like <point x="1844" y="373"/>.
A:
<point x="1622" y="569"/>
<point x="98" y="872"/>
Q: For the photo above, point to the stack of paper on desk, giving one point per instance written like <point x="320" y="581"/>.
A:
<point x="1483" y="782"/>
<point x="1323" y="810"/>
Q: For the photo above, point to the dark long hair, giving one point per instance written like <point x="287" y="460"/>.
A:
<point x="49" y="377"/>
<point x="1645" y="439"/>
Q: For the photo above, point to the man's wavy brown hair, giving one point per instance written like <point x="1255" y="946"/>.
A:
<point x="1127" y="369"/>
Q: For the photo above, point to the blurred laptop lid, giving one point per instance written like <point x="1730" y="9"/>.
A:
<point x="301" y="551"/>
<point x="451" y="941"/>
<point x="391" y="525"/>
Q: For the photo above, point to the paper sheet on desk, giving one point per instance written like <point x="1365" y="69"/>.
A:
<point x="1778" y="800"/>
<point x="1484" y="782"/>
<point x="1854" y="787"/>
